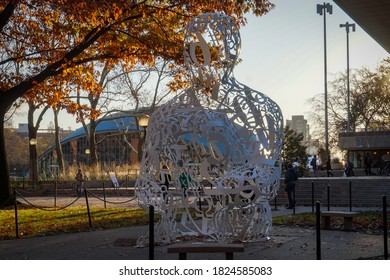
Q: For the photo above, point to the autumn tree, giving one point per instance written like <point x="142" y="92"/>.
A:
<point x="369" y="102"/>
<point x="112" y="89"/>
<point x="17" y="151"/>
<point x="118" y="89"/>
<point x="57" y="140"/>
<point x="50" y="38"/>
<point x="293" y="149"/>
<point x="33" y="127"/>
<point x="146" y="87"/>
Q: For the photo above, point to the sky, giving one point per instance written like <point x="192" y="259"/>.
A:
<point x="283" y="52"/>
<point x="282" y="55"/>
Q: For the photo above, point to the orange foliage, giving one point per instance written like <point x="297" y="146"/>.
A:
<point x="48" y="47"/>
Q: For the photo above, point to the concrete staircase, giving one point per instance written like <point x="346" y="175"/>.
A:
<point x="362" y="190"/>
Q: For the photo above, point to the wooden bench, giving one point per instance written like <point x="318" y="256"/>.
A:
<point x="183" y="249"/>
<point x="348" y="218"/>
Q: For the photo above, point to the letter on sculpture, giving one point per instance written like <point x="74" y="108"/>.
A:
<point x="220" y="142"/>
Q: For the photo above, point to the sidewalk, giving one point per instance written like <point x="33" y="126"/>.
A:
<point x="286" y="243"/>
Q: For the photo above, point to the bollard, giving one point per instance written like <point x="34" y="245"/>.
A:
<point x="350" y="196"/>
<point x="151" y="232"/>
<point x="16" y="216"/>
<point x="104" y="196"/>
<point x="385" y="234"/>
<point x="55" y="195"/>
<point x="312" y="196"/>
<point x="89" y="212"/>
<point x="328" y="196"/>
<point x="294" y="200"/>
<point x="318" y="230"/>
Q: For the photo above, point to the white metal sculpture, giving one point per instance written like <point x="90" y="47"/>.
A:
<point x="220" y="142"/>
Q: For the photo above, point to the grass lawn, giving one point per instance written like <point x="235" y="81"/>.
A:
<point x="369" y="222"/>
<point x="34" y="222"/>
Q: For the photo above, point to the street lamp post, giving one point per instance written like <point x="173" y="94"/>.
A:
<point x="322" y="10"/>
<point x="347" y="25"/>
<point x="33" y="160"/>
<point x="87" y="154"/>
<point x="143" y="121"/>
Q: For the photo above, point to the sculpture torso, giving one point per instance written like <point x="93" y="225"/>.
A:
<point x="225" y="144"/>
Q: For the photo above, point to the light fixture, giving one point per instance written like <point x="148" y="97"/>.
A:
<point x="33" y="142"/>
<point x="327" y="7"/>
<point x="87" y="151"/>
<point x="143" y="120"/>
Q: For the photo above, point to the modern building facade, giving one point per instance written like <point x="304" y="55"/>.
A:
<point x="358" y="144"/>
<point x="373" y="17"/>
<point x="117" y="143"/>
<point x="300" y="125"/>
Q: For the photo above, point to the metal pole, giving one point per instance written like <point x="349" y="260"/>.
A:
<point x="312" y="196"/>
<point x="104" y="195"/>
<point x="322" y="10"/>
<point x="348" y="94"/>
<point x="326" y="95"/>
<point x="55" y="195"/>
<point x="347" y="25"/>
<point x="16" y="216"/>
<point x="350" y="196"/>
<point x="89" y="212"/>
<point x="318" y="230"/>
<point x="151" y="232"/>
<point x="328" y="196"/>
<point x="294" y="199"/>
<point x="385" y="234"/>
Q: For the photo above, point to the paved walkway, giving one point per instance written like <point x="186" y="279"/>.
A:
<point x="286" y="243"/>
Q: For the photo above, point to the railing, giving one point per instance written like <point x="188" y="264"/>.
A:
<point x="22" y="195"/>
<point x="18" y="197"/>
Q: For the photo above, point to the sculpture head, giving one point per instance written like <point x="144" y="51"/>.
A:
<point x="211" y="48"/>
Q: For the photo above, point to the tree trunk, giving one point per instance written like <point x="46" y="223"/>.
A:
<point x="5" y="184"/>
<point x="6" y="101"/>
<point x="60" y="154"/>
<point x="32" y="134"/>
<point x="92" y="142"/>
<point x="141" y="142"/>
<point x="33" y="156"/>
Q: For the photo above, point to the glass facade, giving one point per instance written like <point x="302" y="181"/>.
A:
<point x="116" y="145"/>
<point x="358" y="144"/>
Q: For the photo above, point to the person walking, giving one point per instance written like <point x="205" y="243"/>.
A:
<point x="313" y="164"/>
<point x="289" y="180"/>
<point x="79" y="181"/>
<point x="367" y="164"/>
<point x="349" y="169"/>
<point x="329" y="168"/>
